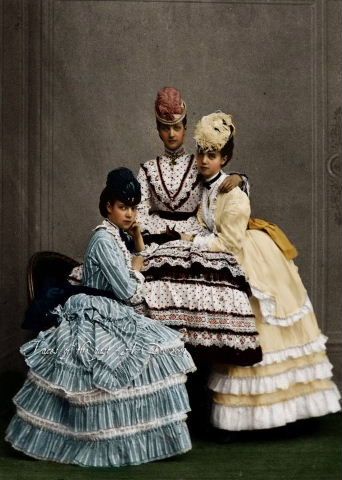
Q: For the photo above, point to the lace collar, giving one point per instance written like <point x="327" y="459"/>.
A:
<point x="114" y="230"/>
<point x="174" y="154"/>
<point x="209" y="200"/>
<point x="211" y="181"/>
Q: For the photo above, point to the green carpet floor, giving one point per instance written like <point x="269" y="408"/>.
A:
<point x="312" y="452"/>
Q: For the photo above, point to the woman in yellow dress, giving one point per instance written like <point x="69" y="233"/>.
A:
<point x="293" y="381"/>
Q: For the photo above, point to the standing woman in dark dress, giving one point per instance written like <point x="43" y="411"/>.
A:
<point x="170" y="184"/>
<point x="206" y="296"/>
<point x="203" y="294"/>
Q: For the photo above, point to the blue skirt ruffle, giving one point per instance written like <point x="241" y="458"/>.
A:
<point x="105" y="388"/>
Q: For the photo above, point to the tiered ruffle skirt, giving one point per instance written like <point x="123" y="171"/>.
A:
<point x="105" y="388"/>
<point x="205" y="295"/>
<point x="293" y="381"/>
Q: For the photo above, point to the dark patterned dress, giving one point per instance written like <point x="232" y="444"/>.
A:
<point x="171" y="193"/>
<point x="203" y="294"/>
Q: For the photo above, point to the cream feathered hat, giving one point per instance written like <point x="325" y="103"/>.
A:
<point x="213" y="131"/>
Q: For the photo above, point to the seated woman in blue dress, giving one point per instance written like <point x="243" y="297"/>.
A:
<point x="106" y="387"/>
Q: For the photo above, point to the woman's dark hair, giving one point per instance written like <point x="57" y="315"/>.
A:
<point x="159" y="124"/>
<point x="107" y="196"/>
<point x="122" y="186"/>
<point x="227" y="150"/>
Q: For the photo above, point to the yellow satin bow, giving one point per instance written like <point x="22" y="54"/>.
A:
<point x="276" y="233"/>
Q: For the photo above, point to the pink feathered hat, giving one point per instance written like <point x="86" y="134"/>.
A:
<point x="170" y="108"/>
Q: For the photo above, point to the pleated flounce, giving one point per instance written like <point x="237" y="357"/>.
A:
<point x="105" y="388"/>
<point x="274" y="280"/>
<point x="292" y="382"/>
<point x="206" y="296"/>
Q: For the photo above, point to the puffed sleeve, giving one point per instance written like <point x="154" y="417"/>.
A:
<point x="149" y="222"/>
<point x="111" y="262"/>
<point x="233" y="212"/>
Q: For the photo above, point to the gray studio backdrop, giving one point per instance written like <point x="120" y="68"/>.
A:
<point x="79" y="80"/>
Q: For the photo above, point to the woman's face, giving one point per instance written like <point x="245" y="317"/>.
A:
<point x="172" y="135"/>
<point x="121" y="214"/>
<point x="209" y="163"/>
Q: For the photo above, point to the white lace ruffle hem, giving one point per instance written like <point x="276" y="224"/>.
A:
<point x="278" y="414"/>
<point x="268" y="310"/>
<point x="259" y="385"/>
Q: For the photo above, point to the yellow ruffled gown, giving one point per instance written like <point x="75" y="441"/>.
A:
<point x="293" y="381"/>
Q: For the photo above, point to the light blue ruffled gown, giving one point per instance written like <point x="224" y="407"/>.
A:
<point x="107" y="386"/>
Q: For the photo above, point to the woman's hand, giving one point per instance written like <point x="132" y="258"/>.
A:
<point x="230" y="182"/>
<point x="188" y="237"/>
<point x="137" y="262"/>
<point x="134" y="230"/>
